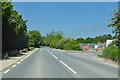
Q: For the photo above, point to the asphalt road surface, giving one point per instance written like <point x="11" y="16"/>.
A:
<point x="51" y="63"/>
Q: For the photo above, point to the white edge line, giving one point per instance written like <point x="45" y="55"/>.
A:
<point x="26" y="56"/>
<point x="68" y="67"/>
<point x="14" y="66"/>
<point x="7" y="71"/>
<point x="29" y="54"/>
<point x="18" y="62"/>
<point x="22" y="60"/>
<point x="109" y="64"/>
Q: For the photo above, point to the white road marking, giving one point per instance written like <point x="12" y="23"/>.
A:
<point x="14" y="66"/>
<point x="7" y="71"/>
<point x="26" y="56"/>
<point x="109" y="64"/>
<point x="68" y="67"/>
<point x="115" y="65"/>
<point x="49" y="52"/>
<point x="22" y="60"/>
<point x="30" y="54"/>
<point x="18" y="62"/>
<point x="55" y="56"/>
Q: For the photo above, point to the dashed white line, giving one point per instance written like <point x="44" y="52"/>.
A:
<point x="14" y="66"/>
<point x="18" y="62"/>
<point x="68" y="67"/>
<point x="55" y="56"/>
<point x="7" y="71"/>
<point x="49" y="52"/>
<point x="22" y="60"/>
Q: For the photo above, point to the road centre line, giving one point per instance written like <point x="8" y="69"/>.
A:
<point x="68" y="67"/>
<point x="64" y="64"/>
<point x="55" y="56"/>
<point x="7" y="71"/>
<point x="49" y="52"/>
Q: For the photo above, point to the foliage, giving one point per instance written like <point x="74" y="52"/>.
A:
<point x="14" y="30"/>
<point x="72" y="45"/>
<point x="34" y="39"/>
<point x="59" y="42"/>
<point x="115" y="20"/>
<point x="102" y="38"/>
<point x="88" y="40"/>
<point x="62" y="42"/>
<point x="111" y="52"/>
<point x="97" y="39"/>
<point x="80" y="40"/>
<point x="54" y="42"/>
<point x="50" y="37"/>
<point x="115" y="23"/>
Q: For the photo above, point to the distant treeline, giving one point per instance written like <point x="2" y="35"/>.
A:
<point x="56" y="40"/>
<point x="97" y="39"/>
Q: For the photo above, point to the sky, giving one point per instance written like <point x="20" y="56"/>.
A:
<point x="66" y="0"/>
<point x="75" y="19"/>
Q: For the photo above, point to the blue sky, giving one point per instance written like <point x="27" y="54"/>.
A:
<point x="75" y="19"/>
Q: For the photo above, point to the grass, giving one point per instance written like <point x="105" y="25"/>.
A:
<point x="110" y="52"/>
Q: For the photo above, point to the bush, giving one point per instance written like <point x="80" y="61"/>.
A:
<point x="64" y="43"/>
<point x="54" y="43"/>
<point x="111" y="52"/>
<point x="72" y="45"/>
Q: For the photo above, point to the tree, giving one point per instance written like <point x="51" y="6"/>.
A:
<point x="62" y="42"/>
<point x="14" y="30"/>
<point x="42" y="41"/>
<point x="54" y="43"/>
<point x="72" y="45"/>
<point x="34" y="38"/>
<point x="80" y="40"/>
<point x="49" y="37"/>
<point x="102" y="38"/>
<point x="115" y="23"/>
<point x="88" y="40"/>
<point x="6" y="14"/>
<point x="115" y="20"/>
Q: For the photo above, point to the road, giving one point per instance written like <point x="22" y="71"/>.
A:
<point x="51" y="63"/>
